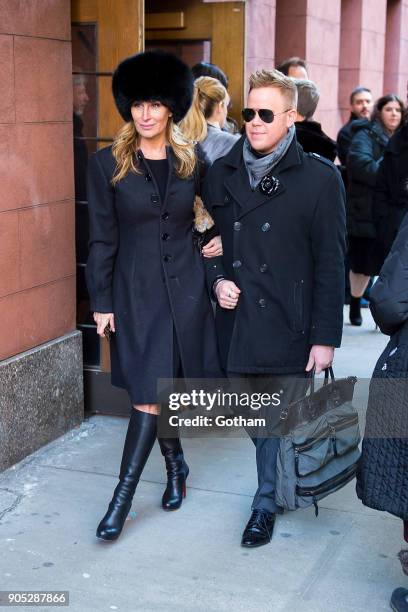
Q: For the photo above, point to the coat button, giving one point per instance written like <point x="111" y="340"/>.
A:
<point x="167" y="258"/>
<point x="226" y="199"/>
<point x="165" y="236"/>
<point x="139" y="156"/>
<point x="148" y="177"/>
<point x="263" y="267"/>
<point x="155" y="199"/>
<point x="237" y="226"/>
<point x="165" y="216"/>
<point x="266" y="227"/>
<point x="237" y="263"/>
<point x="262" y="303"/>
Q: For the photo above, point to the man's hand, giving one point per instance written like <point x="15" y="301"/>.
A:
<point x="321" y="357"/>
<point x="102" y="319"/>
<point x="227" y="294"/>
<point x="213" y="248"/>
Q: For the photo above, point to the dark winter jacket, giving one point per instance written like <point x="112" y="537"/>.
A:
<point x="382" y="476"/>
<point x="364" y="157"/>
<point x="144" y="268"/>
<point x="344" y="139"/>
<point x="285" y="251"/>
<point x="391" y="192"/>
<point x="310" y="135"/>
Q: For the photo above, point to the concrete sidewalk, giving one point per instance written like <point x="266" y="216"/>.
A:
<point x="191" y="560"/>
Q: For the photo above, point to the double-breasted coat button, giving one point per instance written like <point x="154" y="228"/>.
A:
<point x="237" y="226"/>
<point x="262" y="302"/>
<point x="165" y="216"/>
<point x="237" y="263"/>
<point x="226" y="199"/>
<point x="139" y="156"/>
<point x="263" y="267"/>
<point x="148" y="177"/>
<point x="155" y="199"/>
<point x="266" y="227"/>
<point x="165" y="236"/>
<point x="167" y="258"/>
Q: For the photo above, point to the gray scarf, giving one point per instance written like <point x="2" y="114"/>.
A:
<point x="258" y="167"/>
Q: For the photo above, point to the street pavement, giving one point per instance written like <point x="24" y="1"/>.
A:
<point x="191" y="560"/>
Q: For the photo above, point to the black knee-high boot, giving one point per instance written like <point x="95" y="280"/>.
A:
<point x="355" y="311"/>
<point x="140" y="438"/>
<point x="177" y="472"/>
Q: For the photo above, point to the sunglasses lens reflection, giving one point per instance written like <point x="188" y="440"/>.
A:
<point x="266" y="115"/>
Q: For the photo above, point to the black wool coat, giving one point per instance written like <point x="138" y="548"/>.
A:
<point x="382" y="476"/>
<point x="363" y="160"/>
<point x="391" y="190"/>
<point x="286" y="254"/>
<point x="144" y="268"/>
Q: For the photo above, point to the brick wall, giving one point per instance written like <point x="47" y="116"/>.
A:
<point x="37" y="245"/>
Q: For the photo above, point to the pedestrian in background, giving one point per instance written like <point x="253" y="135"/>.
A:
<point x="146" y="280"/>
<point x="361" y="106"/>
<point x="294" y="67"/>
<point x="365" y="154"/>
<point x="206" y="118"/>
<point x="382" y="475"/>
<point x="391" y="191"/>
<point x="309" y="133"/>
<point x="211" y="70"/>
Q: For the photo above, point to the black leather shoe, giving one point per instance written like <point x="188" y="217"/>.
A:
<point x="177" y="472"/>
<point x="259" y="529"/>
<point x="140" y="437"/>
<point x="399" y="600"/>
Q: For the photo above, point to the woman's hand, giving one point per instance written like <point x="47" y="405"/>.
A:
<point x="227" y="294"/>
<point x="102" y="319"/>
<point x="213" y="248"/>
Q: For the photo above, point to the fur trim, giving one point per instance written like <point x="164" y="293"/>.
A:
<point x="153" y="75"/>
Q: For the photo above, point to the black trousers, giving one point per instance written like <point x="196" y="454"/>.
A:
<point x="267" y="438"/>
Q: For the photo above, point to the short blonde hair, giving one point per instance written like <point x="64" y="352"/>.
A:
<point x="274" y="78"/>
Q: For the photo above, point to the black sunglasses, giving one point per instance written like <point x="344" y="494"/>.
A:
<point x="265" y="114"/>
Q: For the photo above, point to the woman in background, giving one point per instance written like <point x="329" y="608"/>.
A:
<point x="206" y="118"/>
<point x="363" y="161"/>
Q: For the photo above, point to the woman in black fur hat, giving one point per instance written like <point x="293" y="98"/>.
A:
<point x="145" y="278"/>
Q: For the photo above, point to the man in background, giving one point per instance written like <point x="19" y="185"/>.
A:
<point x="294" y="67"/>
<point x="361" y="106"/>
<point x="309" y="133"/>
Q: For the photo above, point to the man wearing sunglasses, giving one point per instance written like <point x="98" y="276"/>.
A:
<point x="279" y="284"/>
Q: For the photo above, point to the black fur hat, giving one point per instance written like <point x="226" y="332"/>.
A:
<point x="153" y="75"/>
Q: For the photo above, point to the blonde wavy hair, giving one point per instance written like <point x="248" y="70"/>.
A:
<point x="208" y="92"/>
<point x="127" y="142"/>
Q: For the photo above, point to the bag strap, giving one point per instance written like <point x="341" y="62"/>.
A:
<point x="328" y="371"/>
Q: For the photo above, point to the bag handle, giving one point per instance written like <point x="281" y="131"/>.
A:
<point x="328" y="371"/>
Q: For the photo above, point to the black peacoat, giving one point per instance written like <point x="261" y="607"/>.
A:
<point x="144" y="268"/>
<point x="286" y="254"/>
